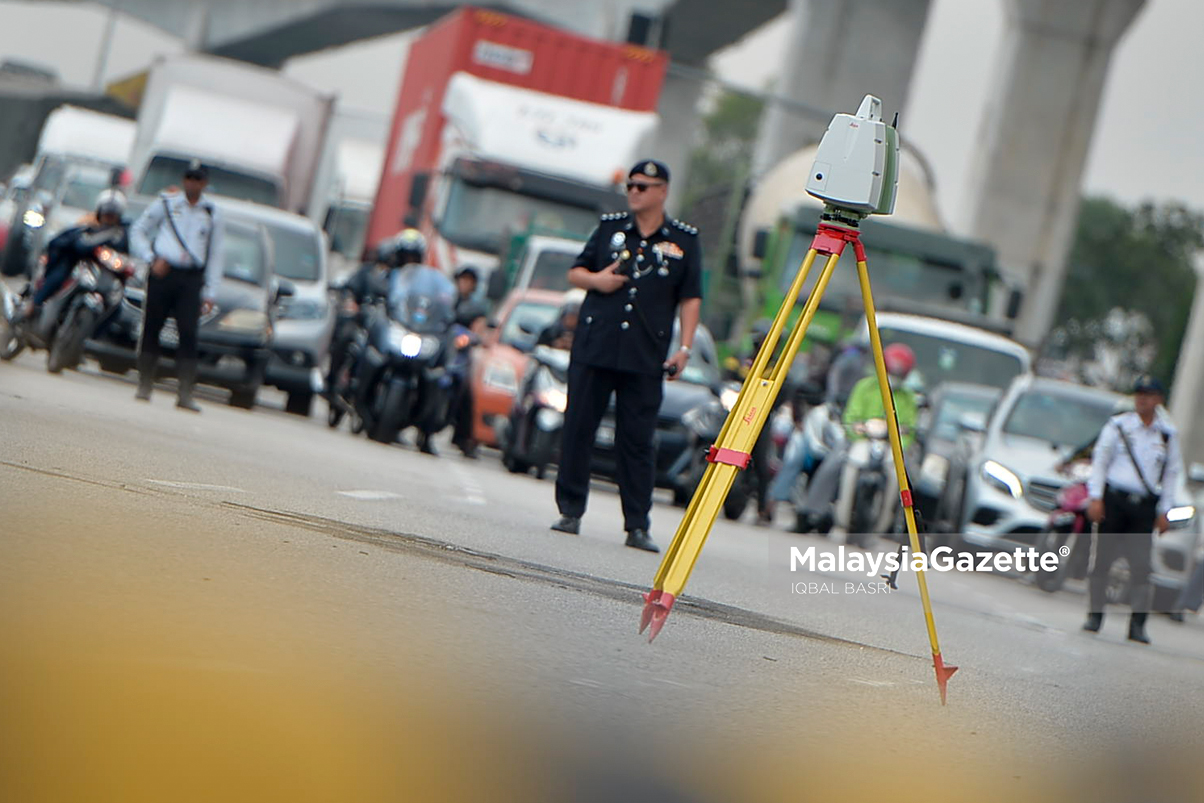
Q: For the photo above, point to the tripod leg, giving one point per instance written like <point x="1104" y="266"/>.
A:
<point x="943" y="672"/>
<point x="730" y="452"/>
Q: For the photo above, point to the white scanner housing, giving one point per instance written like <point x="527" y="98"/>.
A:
<point x="857" y="164"/>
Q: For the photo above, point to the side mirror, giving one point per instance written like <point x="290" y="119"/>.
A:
<point x="284" y="289"/>
<point x="972" y="422"/>
<point x="496" y="287"/>
<point x="760" y="243"/>
<point x="419" y="183"/>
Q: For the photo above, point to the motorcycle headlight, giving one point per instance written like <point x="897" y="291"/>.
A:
<point x="1002" y="478"/>
<point x="33" y="219"/>
<point x="555" y="398"/>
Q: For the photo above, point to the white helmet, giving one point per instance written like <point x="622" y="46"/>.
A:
<point x="110" y="202"/>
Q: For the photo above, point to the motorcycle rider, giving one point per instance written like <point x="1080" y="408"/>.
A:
<point x="864" y="403"/>
<point x="559" y="333"/>
<point x="370" y="281"/>
<point x="106" y="227"/>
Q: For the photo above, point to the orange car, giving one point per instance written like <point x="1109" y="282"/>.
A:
<point x="501" y="360"/>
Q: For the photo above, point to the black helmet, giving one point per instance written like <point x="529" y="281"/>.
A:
<point x="468" y="270"/>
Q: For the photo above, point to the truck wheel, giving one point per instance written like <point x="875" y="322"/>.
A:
<point x="299" y="403"/>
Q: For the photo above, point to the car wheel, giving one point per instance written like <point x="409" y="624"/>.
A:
<point x="299" y="403"/>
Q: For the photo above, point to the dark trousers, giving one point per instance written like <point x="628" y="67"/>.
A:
<point x="1126" y="531"/>
<point x="176" y="295"/>
<point x="53" y="280"/>
<point x="637" y="402"/>
<point x="463" y="412"/>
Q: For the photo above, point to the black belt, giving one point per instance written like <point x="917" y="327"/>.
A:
<point x="1137" y="499"/>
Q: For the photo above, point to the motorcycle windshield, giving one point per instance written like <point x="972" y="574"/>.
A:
<point x="422" y="299"/>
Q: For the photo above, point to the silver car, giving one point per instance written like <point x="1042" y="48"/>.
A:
<point x="1003" y="481"/>
<point x="304" y="322"/>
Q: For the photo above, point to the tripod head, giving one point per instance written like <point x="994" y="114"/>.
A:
<point x="856" y="168"/>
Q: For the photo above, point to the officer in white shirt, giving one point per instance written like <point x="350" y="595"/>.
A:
<point x="1134" y="468"/>
<point x="181" y="236"/>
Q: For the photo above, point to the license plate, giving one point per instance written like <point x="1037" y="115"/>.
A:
<point x="606" y="435"/>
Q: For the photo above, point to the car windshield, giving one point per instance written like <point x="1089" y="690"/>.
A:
<point x="530" y="315"/>
<point x="551" y="270"/>
<point x="347" y="228"/>
<point x="297" y="253"/>
<point x="422" y="299"/>
<point x="166" y="171"/>
<point x="244" y="257"/>
<point x="953" y="406"/>
<point x="1060" y="419"/>
<point x="940" y="360"/>
<point x="83" y="189"/>
<point x="477" y="217"/>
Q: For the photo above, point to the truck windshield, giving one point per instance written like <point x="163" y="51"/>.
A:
<point x="297" y="254"/>
<point x="244" y="255"/>
<point x="551" y="270"/>
<point x="347" y="227"/>
<point x="83" y="189"/>
<point x="895" y="275"/>
<point x="167" y="171"/>
<point x="940" y="360"/>
<point x="478" y="217"/>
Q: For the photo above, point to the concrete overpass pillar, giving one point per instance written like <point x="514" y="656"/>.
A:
<point x="840" y="51"/>
<point x="1041" y="114"/>
<point x="1187" y="395"/>
<point x="676" y="134"/>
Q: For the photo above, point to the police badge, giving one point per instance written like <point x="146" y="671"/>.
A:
<point x="618" y="239"/>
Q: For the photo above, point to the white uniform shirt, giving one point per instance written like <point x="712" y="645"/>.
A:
<point x="1112" y="466"/>
<point x="200" y="228"/>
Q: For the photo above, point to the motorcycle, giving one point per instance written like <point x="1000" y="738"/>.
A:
<point x="409" y="362"/>
<point x="703" y="423"/>
<point x="867" y="485"/>
<point x="1067" y="527"/>
<point x="91" y="295"/>
<point x="530" y="436"/>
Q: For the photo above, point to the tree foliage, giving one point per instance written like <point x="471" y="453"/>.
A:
<point x="729" y="132"/>
<point x="1129" y="288"/>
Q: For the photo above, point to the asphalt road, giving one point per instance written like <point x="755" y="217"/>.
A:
<point x="305" y="611"/>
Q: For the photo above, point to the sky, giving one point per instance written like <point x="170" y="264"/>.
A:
<point x="1146" y="143"/>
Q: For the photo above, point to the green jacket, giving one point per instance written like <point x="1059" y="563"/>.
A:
<point x="865" y="402"/>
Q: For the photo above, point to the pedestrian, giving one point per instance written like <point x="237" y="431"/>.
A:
<point x="1134" y="467"/>
<point x="638" y="269"/>
<point x="181" y="236"/>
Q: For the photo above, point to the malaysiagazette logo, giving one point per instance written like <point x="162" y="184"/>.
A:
<point x="941" y="559"/>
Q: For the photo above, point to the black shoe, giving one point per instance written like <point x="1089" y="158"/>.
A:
<point x="1137" y="629"/>
<point x="144" y="392"/>
<point x="568" y="524"/>
<point x="186" y="403"/>
<point x="426" y="445"/>
<point x="1175" y="616"/>
<point x="803" y="523"/>
<point x="1094" y="622"/>
<point x="640" y="539"/>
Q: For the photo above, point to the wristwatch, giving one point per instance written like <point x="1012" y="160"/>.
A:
<point x="686" y="349"/>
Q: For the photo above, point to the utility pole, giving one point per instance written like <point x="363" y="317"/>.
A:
<point x="106" y="47"/>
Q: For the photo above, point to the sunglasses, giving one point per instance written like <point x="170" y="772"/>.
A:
<point x="641" y="187"/>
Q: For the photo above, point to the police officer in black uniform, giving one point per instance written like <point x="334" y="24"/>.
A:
<point x="638" y="267"/>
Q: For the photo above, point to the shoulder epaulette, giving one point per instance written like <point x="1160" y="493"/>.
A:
<point x="686" y="227"/>
<point x="615" y="216"/>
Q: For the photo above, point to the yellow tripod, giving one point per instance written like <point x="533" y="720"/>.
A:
<point x="732" y="450"/>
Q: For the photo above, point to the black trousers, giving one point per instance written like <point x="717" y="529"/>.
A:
<point x="637" y="402"/>
<point x="1126" y="531"/>
<point x="176" y="295"/>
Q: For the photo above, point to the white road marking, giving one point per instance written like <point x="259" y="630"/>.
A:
<point x="875" y="683"/>
<point x="369" y="496"/>
<point x="473" y="494"/>
<point x="196" y="486"/>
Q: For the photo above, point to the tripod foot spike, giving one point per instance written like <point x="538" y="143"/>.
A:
<point x="657" y="605"/>
<point x="943" y="673"/>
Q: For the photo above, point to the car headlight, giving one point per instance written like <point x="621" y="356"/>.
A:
<point x="244" y="320"/>
<point x="728" y="398"/>
<point x="302" y="309"/>
<point x="33" y="219"/>
<point x="1002" y="478"/>
<point x="934" y="470"/>
<point x="1181" y="513"/>
<point x="555" y="398"/>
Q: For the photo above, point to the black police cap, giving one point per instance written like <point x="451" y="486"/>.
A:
<point x="650" y="168"/>
<point x="1148" y="384"/>
<point x="196" y="169"/>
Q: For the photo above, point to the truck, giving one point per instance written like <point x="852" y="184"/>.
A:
<point x="916" y="264"/>
<point x="502" y="124"/>
<point x="346" y="183"/>
<point x="260" y="133"/>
